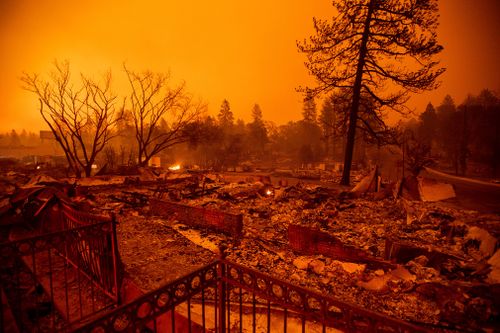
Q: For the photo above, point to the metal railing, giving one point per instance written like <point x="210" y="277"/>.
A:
<point x="156" y="310"/>
<point x="227" y="297"/>
<point x="97" y="254"/>
<point x="56" y="279"/>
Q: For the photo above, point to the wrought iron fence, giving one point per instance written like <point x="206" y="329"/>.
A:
<point x="156" y="310"/>
<point x="227" y="297"/>
<point x="97" y="254"/>
<point x="72" y="218"/>
<point x="59" y="278"/>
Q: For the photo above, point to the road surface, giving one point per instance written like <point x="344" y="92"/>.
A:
<point x="471" y="194"/>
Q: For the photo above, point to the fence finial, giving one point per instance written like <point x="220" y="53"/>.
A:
<point x="222" y="251"/>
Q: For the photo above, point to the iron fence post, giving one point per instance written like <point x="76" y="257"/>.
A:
<point x="221" y="271"/>
<point x="2" y="320"/>
<point x="114" y="244"/>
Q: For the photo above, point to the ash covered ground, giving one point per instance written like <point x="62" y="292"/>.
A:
<point x="424" y="262"/>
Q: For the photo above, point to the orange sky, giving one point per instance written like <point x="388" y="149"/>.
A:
<point x="244" y="51"/>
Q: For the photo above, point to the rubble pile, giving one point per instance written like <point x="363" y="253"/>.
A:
<point x="445" y="250"/>
<point x="424" y="262"/>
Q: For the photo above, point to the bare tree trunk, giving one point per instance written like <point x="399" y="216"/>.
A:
<point x="353" y="115"/>
<point x="496" y="152"/>
<point x="463" y="144"/>
<point x="88" y="170"/>
<point x="335" y="140"/>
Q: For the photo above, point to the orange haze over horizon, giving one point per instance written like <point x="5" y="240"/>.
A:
<point x="244" y="52"/>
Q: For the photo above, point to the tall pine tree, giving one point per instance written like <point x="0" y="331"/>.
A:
<point x="225" y="116"/>
<point x="370" y="47"/>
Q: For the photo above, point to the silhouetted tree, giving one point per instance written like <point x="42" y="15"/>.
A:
<point x="126" y="139"/>
<point x="306" y="154"/>
<point x="225" y="116"/>
<point x="309" y="129"/>
<point x="448" y="136"/>
<point x="418" y="154"/>
<point x="257" y="134"/>
<point x="428" y="126"/>
<point x="153" y="99"/>
<point x="327" y="122"/>
<point x="110" y="157"/>
<point x="482" y="113"/>
<point x="362" y="50"/>
<point x="15" y="140"/>
<point x="461" y="120"/>
<point x="338" y="104"/>
<point x="81" y="117"/>
<point x="370" y="125"/>
<point x="232" y="145"/>
<point x="23" y="137"/>
<point x="309" y="113"/>
<point x="205" y="150"/>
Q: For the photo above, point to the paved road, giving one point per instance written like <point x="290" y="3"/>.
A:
<point x="471" y="194"/>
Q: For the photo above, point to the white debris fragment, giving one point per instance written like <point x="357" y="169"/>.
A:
<point x="195" y="236"/>
<point x="351" y="267"/>
<point x="488" y="242"/>
<point x="317" y="266"/>
<point x="378" y="283"/>
<point x="494" y="275"/>
<point x="403" y="274"/>
<point x="302" y="262"/>
<point x="432" y="190"/>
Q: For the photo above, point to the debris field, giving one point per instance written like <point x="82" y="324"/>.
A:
<point x="423" y="262"/>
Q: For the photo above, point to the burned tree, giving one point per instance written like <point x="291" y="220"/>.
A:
<point x="163" y="115"/>
<point x="309" y="112"/>
<point x="370" y="128"/>
<point x="327" y="121"/>
<point x="81" y="117"/>
<point x="363" y="50"/>
<point x="417" y="153"/>
<point x="257" y="133"/>
<point x="225" y="116"/>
